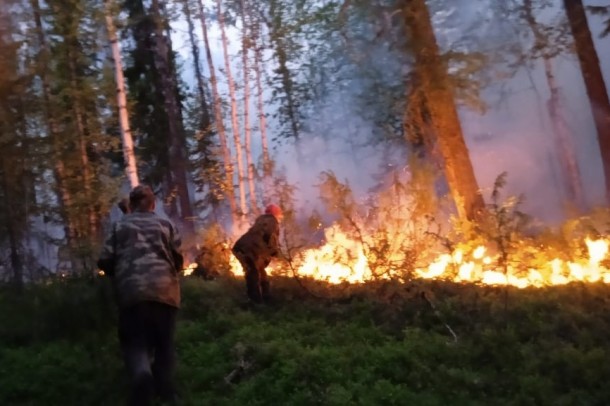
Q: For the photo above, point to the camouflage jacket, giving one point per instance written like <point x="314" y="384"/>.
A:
<point x="261" y="241"/>
<point x="141" y="254"/>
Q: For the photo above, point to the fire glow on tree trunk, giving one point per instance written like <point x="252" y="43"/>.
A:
<point x="432" y="71"/>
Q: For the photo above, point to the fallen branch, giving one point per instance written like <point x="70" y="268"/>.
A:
<point x="439" y="316"/>
<point x="240" y="370"/>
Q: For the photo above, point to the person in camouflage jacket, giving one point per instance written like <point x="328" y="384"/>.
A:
<point x="141" y="255"/>
<point x="255" y="249"/>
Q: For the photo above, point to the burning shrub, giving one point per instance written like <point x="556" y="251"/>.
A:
<point x="213" y="254"/>
<point x="381" y="238"/>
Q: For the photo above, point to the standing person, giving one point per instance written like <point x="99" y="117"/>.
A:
<point x="255" y="249"/>
<point x="141" y="255"/>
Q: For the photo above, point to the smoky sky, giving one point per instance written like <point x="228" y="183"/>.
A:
<point x="513" y="134"/>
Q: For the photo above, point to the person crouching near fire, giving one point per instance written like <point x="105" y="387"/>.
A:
<point x="142" y="257"/>
<point x="254" y="251"/>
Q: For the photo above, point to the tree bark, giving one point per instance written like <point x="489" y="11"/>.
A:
<point x="234" y="122"/>
<point x="594" y="80"/>
<point x="64" y="196"/>
<point x="131" y="169"/>
<point x="247" y="127"/>
<point x="262" y="121"/>
<point x="81" y="133"/>
<point x="432" y="71"/>
<point x="276" y="34"/>
<point x="218" y="118"/>
<point x="205" y="109"/>
<point x="176" y="139"/>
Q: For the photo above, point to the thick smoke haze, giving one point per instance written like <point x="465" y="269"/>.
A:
<point x="514" y="135"/>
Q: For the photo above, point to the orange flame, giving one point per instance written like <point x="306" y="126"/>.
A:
<point x="342" y="259"/>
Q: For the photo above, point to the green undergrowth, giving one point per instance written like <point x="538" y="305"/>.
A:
<point x="359" y="347"/>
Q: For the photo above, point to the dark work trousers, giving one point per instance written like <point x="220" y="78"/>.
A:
<point x="257" y="282"/>
<point x="146" y="334"/>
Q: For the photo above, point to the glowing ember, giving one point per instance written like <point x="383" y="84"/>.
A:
<point x="189" y="269"/>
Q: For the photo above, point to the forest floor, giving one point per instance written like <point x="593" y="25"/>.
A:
<point x="374" y="344"/>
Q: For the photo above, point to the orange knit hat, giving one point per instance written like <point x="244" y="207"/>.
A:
<point x="274" y="210"/>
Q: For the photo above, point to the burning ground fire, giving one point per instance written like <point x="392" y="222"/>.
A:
<point x="343" y="259"/>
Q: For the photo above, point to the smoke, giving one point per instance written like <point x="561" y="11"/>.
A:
<point x="338" y="141"/>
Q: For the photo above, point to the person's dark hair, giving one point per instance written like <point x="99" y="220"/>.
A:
<point x="142" y="198"/>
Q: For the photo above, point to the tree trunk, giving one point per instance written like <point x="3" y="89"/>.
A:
<point x="256" y="37"/>
<point x="81" y="139"/>
<point x="131" y="169"/>
<point x="445" y="120"/>
<point x="282" y="59"/>
<point x="204" y="126"/>
<point x="234" y="123"/>
<point x="176" y="142"/>
<point x="594" y="80"/>
<point x="218" y="118"/>
<point x="63" y="194"/>
<point x="561" y="132"/>
<point x="247" y="128"/>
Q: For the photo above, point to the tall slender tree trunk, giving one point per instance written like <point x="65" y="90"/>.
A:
<point x="262" y="123"/>
<point x="81" y="134"/>
<point x="131" y="169"/>
<point x="247" y="128"/>
<point x="203" y="104"/>
<point x="177" y="181"/>
<point x="234" y="122"/>
<point x="594" y="80"/>
<point x="561" y="132"/>
<point x="218" y="118"/>
<point x="276" y="34"/>
<point x="445" y="120"/>
<point x="63" y="194"/>
<point x="562" y="136"/>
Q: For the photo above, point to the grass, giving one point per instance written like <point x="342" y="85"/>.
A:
<point x="543" y="347"/>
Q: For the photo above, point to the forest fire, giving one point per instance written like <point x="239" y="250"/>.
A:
<point x="343" y="259"/>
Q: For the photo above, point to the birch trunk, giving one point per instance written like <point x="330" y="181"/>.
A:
<point x="234" y="123"/>
<point x="220" y="128"/>
<point x="247" y="129"/>
<point x="131" y="169"/>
